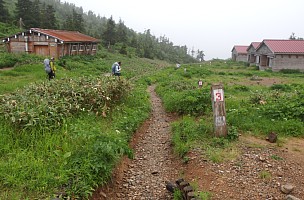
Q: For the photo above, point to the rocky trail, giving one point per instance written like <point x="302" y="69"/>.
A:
<point x="261" y="171"/>
<point x="144" y="176"/>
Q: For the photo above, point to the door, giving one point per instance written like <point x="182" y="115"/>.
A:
<point x="41" y="50"/>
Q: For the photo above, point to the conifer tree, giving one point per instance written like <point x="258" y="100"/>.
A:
<point x="50" y="22"/>
<point x="109" y="33"/>
<point x="35" y="14"/>
<point x="23" y="13"/>
<point x="4" y="14"/>
<point x="121" y="32"/>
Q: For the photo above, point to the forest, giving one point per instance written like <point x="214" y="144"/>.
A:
<point x="115" y="36"/>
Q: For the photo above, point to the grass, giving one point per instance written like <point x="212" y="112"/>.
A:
<point x="244" y="112"/>
<point x="80" y="154"/>
<point x="265" y="175"/>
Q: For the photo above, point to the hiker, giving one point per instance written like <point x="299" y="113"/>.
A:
<point x="47" y="68"/>
<point x="53" y="67"/>
<point x="116" y="67"/>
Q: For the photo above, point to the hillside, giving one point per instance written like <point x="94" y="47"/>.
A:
<point x="115" y="36"/>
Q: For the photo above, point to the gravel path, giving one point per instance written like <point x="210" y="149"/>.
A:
<point x="144" y="176"/>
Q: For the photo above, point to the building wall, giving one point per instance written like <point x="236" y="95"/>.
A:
<point x="235" y="56"/>
<point x="242" y="57"/>
<point x="288" y="62"/>
<point x="251" y="55"/>
<point x="264" y="50"/>
<point x="47" y="46"/>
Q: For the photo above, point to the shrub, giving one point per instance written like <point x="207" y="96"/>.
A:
<point x="194" y="102"/>
<point x="290" y="71"/>
<point x="47" y="104"/>
<point x="282" y="87"/>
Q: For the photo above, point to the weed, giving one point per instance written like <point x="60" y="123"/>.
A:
<point x="204" y="195"/>
<point x="276" y="157"/>
<point x="265" y="175"/>
<point x="177" y="195"/>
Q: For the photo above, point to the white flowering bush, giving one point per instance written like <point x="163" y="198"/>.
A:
<point x="48" y="104"/>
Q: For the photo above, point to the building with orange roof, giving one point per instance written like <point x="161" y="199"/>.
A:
<point x="251" y="51"/>
<point x="239" y="53"/>
<point x="281" y="54"/>
<point x="51" y="43"/>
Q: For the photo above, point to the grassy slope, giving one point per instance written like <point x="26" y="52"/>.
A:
<point x="80" y="155"/>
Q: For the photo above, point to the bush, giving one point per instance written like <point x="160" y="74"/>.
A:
<point x="193" y="102"/>
<point x="290" y="71"/>
<point x="47" y="104"/>
<point x="282" y="87"/>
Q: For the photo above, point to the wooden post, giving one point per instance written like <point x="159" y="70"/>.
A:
<point x="219" y="112"/>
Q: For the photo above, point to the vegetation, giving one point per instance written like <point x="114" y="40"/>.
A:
<point x="116" y="37"/>
<point x="251" y="107"/>
<point x="63" y="137"/>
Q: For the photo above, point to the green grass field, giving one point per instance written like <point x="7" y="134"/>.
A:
<point x="65" y="136"/>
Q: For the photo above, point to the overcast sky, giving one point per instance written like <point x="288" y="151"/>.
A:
<point x="213" y="26"/>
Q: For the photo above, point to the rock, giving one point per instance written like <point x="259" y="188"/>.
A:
<point x="286" y="189"/>
<point x="290" y="197"/>
<point x="103" y="194"/>
<point x="272" y="137"/>
<point x="170" y="186"/>
<point x="178" y="181"/>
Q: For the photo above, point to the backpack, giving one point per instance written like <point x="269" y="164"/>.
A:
<point x="114" y="67"/>
<point x="47" y="66"/>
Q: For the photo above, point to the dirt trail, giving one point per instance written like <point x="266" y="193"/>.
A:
<point x="144" y="176"/>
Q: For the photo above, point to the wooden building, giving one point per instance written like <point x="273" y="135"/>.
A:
<point x="281" y="54"/>
<point x="51" y="43"/>
<point x="239" y="53"/>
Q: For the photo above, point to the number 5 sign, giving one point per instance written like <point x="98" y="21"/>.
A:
<point x="218" y="94"/>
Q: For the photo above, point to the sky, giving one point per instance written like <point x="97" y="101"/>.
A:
<point x="212" y="26"/>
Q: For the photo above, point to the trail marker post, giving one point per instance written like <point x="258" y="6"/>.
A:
<point x="219" y="112"/>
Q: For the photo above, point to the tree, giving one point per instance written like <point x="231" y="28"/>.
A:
<point x="121" y="35"/>
<point x="78" y="21"/>
<point x="109" y="33"/>
<point x="47" y="17"/>
<point x="200" y="55"/>
<point x="23" y="13"/>
<point x="293" y="37"/>
<point x="35" y="14"/>
<point x="4" y="14"/>
<point x="74" y="22"/>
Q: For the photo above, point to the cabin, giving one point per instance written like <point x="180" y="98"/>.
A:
<point x="239" y="53"/>
<point x="277" y="55"/>
<point x="51" y="43"/>
<point x="251" y="52"/>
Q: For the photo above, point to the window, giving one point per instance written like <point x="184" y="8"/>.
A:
<point x="94" y="47"/>
<point x="74" y="48"/>
<point x="81" y="48"/>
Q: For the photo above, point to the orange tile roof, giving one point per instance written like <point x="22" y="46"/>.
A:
<point x="66" y="36"/>
<point x="285" y="46"/>
<point x="255" y="44"/>
<point x="240" y="49"/>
